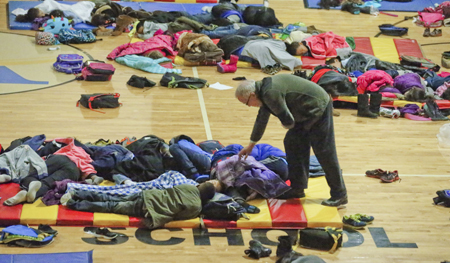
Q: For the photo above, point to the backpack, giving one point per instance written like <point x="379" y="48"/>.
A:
<point x="223" y="207"/>
<point x="328" y="238"/>
<point x="95" y="71"/>
<point x="24" y="236"/>
<point x="391" y="30"/>
<point x="173" y="80"/>
<point x="99" y="100"/>
<point x="69" y="36"/>
<point x="68" y="63"/>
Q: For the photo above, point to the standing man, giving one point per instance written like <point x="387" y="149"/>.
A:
<point x="305" y="109"/>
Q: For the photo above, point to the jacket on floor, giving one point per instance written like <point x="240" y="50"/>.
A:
<point x="17" y="163"/>
<point x="158" y="42"/>
<point x="327" y="45"/>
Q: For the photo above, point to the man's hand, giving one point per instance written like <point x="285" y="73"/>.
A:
<point x="246" y="151"/>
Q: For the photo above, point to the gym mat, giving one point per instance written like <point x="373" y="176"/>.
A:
<point x="413" y="6"/>
<point x="71" y="257"/>
<point x="191" y="7"/>
<point x="7" y="76"/>
<point x="274" y="213"/>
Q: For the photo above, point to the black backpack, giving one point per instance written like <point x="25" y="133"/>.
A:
<point x="99" y="100"/>
<point x="223" y="207"/>
<point x="173" y="80"/>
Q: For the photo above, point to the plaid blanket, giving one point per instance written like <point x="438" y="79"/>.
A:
<point x="164" y="181"/>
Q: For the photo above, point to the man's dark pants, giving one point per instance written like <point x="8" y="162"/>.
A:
<point x="320" y="137"/>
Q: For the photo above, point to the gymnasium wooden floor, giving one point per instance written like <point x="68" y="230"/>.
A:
<point x="405" y="215"/>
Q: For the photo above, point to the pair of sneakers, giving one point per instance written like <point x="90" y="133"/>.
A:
<point x="384" y="176"/>
<point x="357" y="221"/>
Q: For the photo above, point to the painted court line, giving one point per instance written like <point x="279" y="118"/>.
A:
<point x="408" y="175"/>
<point x="203" y="108"/>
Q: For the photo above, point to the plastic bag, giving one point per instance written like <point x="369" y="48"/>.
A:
<point x="444" y="136"/>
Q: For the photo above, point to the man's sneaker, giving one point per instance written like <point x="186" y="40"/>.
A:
<point x="353" y="222"/>
<point x="390" y="177"/>
<point x="100" y="232"/>
<point x="364" y="218"/>
<point x="377" y="173"/>
<point x="336" y="201"/>
<point x="292" y="193"/>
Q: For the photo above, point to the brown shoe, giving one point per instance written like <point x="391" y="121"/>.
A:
<point x="427" y="32"/>
<point x="436" y="33"/>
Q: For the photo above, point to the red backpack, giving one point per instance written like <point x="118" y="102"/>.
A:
<point x="97" y="72"/>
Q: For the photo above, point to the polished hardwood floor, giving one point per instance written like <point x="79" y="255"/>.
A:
<point x="404" y="210"/>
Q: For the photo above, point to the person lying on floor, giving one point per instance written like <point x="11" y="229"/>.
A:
<point x="272" y="55"/>
<point x="157" y="207"/>
<point x="79" y="12"/>
<point x="59" y="167"/>
<point x="321" y="46"/>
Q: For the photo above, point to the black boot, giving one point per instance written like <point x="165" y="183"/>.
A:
<point x="431" y="109"/>
<point x="375" y="103"/>
<point x="285" y="245"/>
<point x="363" y="107"/>
<point x="257" y="250"/>
<point x="289" y="257"/>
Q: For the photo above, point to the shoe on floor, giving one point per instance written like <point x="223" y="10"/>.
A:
<point x="292" y="193"/>
<point x="47" y="229"/>
<point x="426" y="32"/>
<point x="377" y="173"/>
<point x="436" y="33"/>
<point x="364" y="218"/>
<point x="336" y="201"/>
<point x="353" y="222"/>
<point x="390" y="177"/>
<point x="100" y="232"/>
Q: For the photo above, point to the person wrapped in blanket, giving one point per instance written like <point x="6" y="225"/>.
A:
<point x="78" y="12"/>
<point x="156" y="206"/>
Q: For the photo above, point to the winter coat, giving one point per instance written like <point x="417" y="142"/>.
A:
<point x="159" y="42"/>
<point x="107" y="157"/>
<point x="195" y="43"/>
<point x="327" y="45"/>
<point x="234" y="172"/>
<point x="182" y="202"/>
<point x="373" y="80"/>
<point x="146" y="64"/>
<point x="405" y="82"/>
<point x="17" y="163"/>
<point x="77" y="155"/>
<point x="147" y="163"/>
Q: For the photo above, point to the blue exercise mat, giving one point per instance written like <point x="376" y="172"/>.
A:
<point x="413" y="6"/>
<point x="13" y="25"/>
<point x="8" y="76"/>
<point x="73" y="257"/>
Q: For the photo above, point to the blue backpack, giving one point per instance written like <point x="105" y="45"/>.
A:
<point x="71" y="36"/>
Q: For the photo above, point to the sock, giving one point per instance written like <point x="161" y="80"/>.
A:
<point x="128" y="182"/>
<point x="20" y="197"/>
<point x="97" y="179"/>
<point x="32" y="190"/>
<point x="65" y="198"/>
<point x="4" y="178"/>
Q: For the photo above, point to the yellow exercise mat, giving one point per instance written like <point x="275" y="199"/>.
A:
<point x="317" y="214"/>
<point x="108" y="219"/>
<point x="384" y="49"/>
<point x="261" y="220"/>
<point x="38" y="213"/>
<point x="393" y="103"/>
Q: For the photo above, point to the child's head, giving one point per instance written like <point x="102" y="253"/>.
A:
<point x="140" y="27"/>
<point x="32" y="14"/>
<point x="415" y="94"/>
<point x="56" y="13"/>
<point x="296" y="48"/>
<point x="207" y="191"/>
<point x="100" y="20"/>
<point x="335" y="62"/>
